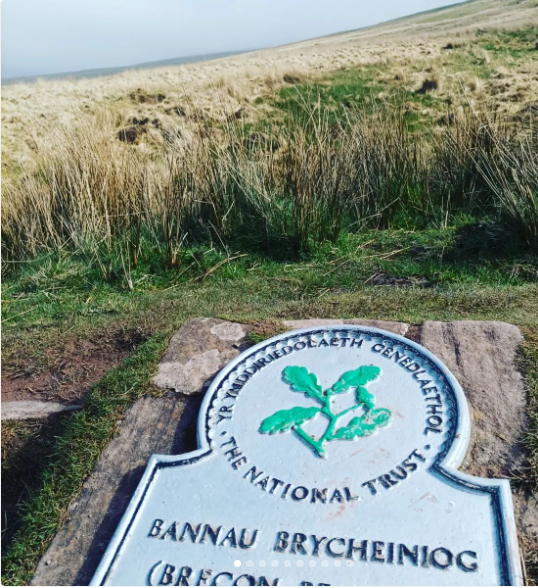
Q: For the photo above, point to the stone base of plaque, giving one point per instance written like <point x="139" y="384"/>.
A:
<point x="482" y="356"/>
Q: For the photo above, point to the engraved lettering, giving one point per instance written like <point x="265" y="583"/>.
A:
<point x="156" y="528"/>
<point x="377" y="551"/>
<point x="410" y="554"/>
<point x="281" y="541"/>
<point x="297" y="543"/>
<point x="230" y="538"/>
<point x="360" y="549"/>
<point x="441" y="558"/>
<point x="330" y="550"/>
<point x="465" y="566"/>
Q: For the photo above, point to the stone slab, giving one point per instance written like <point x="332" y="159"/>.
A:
<point x="196" y="353"/>
<point x="329" y="447"/>
<point x="482" y="355"/>
<point x="21" y="410"/>
<point x="151" y="425"/>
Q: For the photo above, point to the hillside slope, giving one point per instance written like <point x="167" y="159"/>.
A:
<point x="465" y="17"/>
<point x="213" y="89"/>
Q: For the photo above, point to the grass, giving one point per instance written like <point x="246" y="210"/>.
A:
<point x="25" y="445"/>
<point x="413" y="145"/>
<point x="513" y="44"/>
<point x="460" y="272"/>
<point x="529" y="365"/>
<point x="312" y="179"/>
<point x="351" y="88"/>
<point x="61" y="293"/>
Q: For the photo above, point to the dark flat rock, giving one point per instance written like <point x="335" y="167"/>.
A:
<point x="483" y="357"/>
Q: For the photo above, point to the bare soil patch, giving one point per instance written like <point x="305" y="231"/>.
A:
<point x="381" y="278"/>
<point x="142" y="97"/>
<point x="74" y="368"/>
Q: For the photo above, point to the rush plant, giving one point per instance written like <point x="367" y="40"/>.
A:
<point x="301" y="380"/>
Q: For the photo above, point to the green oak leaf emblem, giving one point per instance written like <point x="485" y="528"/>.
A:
<point x="301" y="380"/>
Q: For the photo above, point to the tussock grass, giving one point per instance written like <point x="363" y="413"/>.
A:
<point x="289" y="185"/>
<point x="512" y="178"/>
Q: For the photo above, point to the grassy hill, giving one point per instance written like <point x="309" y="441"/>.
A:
<point x="389" y="172"/>
<point x="461" y="18"/>
<point x="109" y="71"/>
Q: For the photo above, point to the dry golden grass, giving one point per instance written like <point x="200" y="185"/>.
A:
<point x="214" y="90"/>
<point x="104" y="149"/>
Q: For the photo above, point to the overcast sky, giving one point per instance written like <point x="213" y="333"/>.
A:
<point x="51" y="36"/>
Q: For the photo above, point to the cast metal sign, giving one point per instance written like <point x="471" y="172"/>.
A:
<point x="328" y="456"/>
